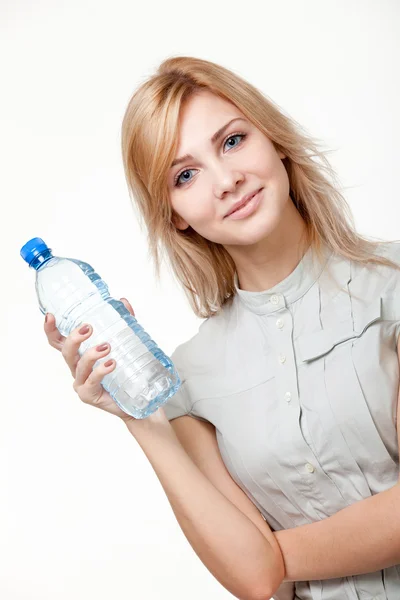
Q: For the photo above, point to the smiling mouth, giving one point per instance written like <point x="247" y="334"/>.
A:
<point x="244" y="203"/>
<point x="242" y="206"/>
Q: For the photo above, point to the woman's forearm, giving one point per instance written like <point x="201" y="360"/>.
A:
<point x="227" y="541"/>
<point x="361" y="538"/>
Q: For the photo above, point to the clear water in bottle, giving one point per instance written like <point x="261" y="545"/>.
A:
<point x="144" y="377"/>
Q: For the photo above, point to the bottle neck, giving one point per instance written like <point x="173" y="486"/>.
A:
<point x="40" y="259"/>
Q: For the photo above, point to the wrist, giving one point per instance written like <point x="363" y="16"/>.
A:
<point x="153" y="422"/>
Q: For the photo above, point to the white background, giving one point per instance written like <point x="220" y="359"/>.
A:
<point x="82" y="513"/>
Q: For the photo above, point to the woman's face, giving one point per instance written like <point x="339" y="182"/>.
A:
<point x="204" y="187"/>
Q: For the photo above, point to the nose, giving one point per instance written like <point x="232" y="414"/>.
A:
<point x="226" y="181"/>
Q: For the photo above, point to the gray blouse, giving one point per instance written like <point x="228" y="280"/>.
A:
<point x="301" y="383"/>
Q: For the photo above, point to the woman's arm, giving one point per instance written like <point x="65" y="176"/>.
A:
<point x="362" y="538"/>
<point x="220" y="522"/>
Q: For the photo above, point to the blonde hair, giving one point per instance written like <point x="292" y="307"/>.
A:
<point x="149" y="144"/>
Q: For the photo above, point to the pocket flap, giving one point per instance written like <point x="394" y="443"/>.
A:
<point x="321" y="342"/>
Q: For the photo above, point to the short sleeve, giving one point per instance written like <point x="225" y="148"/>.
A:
<point x="181" y="402"/>
<point x="178" y="404"/>
<point x="195" y="364"/>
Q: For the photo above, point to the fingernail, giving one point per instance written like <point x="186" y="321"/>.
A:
<point x="102" y="348"/>
<point x="45" y="319"/>
<point x="84" y="330"/>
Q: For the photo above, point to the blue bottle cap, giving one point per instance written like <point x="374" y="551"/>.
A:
<point x="33" y="248"/>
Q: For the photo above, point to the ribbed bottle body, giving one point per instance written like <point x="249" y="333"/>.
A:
<point x="144" y="377"/>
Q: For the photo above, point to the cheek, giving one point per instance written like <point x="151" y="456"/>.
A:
<point x="202" y="211"/>
<point x="284" y="182"/>
<point x="273" y="173"/>
<point x="193" y="207"/>
<point x="264" y="160"/>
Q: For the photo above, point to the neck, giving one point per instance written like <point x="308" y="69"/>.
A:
<point x="263" y="265"/>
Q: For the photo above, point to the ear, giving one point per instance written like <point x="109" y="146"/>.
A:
<point x="179" y="222"/>
<point x="281" y="155"/>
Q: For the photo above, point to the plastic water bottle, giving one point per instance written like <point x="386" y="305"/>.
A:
<point x="144" y="377"/>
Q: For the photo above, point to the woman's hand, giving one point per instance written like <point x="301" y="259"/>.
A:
<point x="87" y="381"/>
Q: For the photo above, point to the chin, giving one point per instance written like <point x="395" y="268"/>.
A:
<point x="256" y="231"/>
<point x="250" y="237"/>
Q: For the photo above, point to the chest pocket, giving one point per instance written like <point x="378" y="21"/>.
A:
<point x="350" y="376"/>
<point x="319" y="343"/>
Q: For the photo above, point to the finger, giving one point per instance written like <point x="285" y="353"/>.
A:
<point x="54" y="337"/>
<point x="128" y="305"/>
<point x="91" y="391"/>
<point x="70" y="349"/>
<point x="87" y="361"/>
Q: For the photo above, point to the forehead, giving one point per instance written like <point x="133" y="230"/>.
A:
<point x="202" y="114"/>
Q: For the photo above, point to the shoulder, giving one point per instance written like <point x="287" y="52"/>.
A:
<point x="200" y="352"/>
<point x="197" y="358"/>
<point x="379" y="285"/>
<point x="388" y="275"/>
<point x="389" y="250"/>
<point x="390" y="291"/>
<point x="372" y="278"/>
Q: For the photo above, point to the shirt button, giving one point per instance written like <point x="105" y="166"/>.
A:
<point x="279" y="323"/>
<point x="274" y="299"/>
<point x="288" y="396"/>
<point x="282" y="358"/>
<point x="310" y="468"/>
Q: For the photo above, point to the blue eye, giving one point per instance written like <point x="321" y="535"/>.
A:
<point x="232" y="137"/>
<point x="177" y="179"/>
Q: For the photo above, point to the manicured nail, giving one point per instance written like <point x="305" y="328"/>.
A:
<point x="46" y="317"/>
<point x="84" y="330"/>
<point x="102" y="348"/>
<point x="108" y="363"/>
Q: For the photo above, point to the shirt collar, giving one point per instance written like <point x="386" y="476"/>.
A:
<point x="290" y="289"/>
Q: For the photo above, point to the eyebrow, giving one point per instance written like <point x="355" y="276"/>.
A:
<point x="214" y="139"/>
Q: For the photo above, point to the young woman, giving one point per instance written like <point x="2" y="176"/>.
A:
<point x="283" y="434"/>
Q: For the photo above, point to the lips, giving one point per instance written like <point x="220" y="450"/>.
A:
<point x="242" y="202"/>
